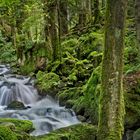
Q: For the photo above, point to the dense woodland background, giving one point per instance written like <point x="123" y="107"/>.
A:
<point x="61" y="43"/>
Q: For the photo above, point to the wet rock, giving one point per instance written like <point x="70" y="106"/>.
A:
<point x="16" y="105"/>
<point x="81" y="118"/>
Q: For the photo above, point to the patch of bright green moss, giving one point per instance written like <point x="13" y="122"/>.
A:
<point x="20" y="125"/>
<point x="7" y="134"/>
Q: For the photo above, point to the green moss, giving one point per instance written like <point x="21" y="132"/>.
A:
<point x="20" y="125"/>
<point x="91" y="94"/>
<point x="47" y="81"/>
<point x="76" y="132"/>
<point x="72" y="77"/>
<point x="7" y="134"/>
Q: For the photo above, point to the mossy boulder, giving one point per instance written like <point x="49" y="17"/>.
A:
<point x="16" y="105"/>
<point x="76" y="132"/>
<point x="7" y="134"/>
<point x="20" y="125"/>
<point x="9" y="125"/>
<point x="47" y="82"/>
<point x="19" y="129"/>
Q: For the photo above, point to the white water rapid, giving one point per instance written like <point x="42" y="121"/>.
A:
<point x="46" y="114"/>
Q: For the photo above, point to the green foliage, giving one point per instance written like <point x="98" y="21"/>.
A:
<point x="28" y="67"/>
<point x="82" y="46"/>
<point x="91" y="91"/>
<point x="131" y="52"/>
<point x="70" y="96"/>
<point x="8" y="53"/>
<point x="7" y="50"/>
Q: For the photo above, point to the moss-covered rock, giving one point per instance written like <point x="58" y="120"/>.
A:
<point x="7" y="134"/>
<point x="47" y="82"/>
<point x="16" y="105"/>
<point x="19" y="129"/>
<point x="75" y="132"/>
<point x="20" y="125"/>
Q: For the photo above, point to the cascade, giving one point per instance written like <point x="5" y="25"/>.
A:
<point x="46" y="114"/>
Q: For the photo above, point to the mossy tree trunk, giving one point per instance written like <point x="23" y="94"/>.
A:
<point x="137" y="13"/>
<point x="96" y="11"/>
<point x="82" y="14"/>
<point x="63" y="5"/>
<point x="51" y="27"/>
<point x="103" y="3"/>
<point x="111" y="106"/>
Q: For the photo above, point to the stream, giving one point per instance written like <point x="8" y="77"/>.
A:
<point x="46" y="114"/>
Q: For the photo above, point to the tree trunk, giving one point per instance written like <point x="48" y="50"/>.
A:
<point x="103" y="3"/>
<point x="82" y="13"/>
<point x="63" y="17"/>
<point x="51" y="29"/>
<point x="137" y="12"/>
<point x="96" y="11"/>
<point x="111" y="113"/>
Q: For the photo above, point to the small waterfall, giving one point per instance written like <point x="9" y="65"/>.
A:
<point x="46" y="114"/>
<point x="17" y="89"/>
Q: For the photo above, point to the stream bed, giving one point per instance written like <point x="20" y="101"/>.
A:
<point x="45" y="113"/>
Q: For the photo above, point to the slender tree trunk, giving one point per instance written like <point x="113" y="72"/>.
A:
<point x="82" y="14"/>
<point x="111" y="113"/>
<point x="96" y="11"/>
<point x="137" y="12"/>
<point x="53" y="32"/>
<point x="103" y="3"/>
<point x="89" y="10"/>
<point x="63" y="4"/>
<point x="51" y="27"/>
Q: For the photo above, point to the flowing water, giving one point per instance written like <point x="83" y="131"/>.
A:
<point x="46" y="114"/>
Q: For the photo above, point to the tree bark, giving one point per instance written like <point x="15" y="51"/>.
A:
<point x="63" y="4"/>
<point x="51" y="27"/>
<point x="111" y="106"/>
<point x="137" y="13"/>
<point x="96" y="11"/>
